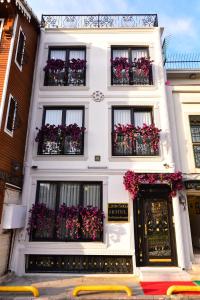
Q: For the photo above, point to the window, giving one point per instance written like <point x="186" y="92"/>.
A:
<point x="56" y="195"/>
<point x="11" y="115"/>
<point x="195" y="133"/>
<point x="69" y="67"/>
<point x="20" y="49"/>
<point x="128" y="68"/>
<point x="126" y="142"/>
<point x="70" y="140"/>
<point x="1" y="27"/>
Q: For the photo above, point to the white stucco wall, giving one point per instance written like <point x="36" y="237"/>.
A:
<point x="118" y="238"/>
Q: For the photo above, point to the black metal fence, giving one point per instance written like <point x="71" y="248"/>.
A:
<point x="99" y="21"/>
<point x="187" y="61"/>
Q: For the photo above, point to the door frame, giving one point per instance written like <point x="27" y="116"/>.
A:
<point x="139" y="228"/>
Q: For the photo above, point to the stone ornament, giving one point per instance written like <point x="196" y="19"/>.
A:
<point x="97" y="96"/>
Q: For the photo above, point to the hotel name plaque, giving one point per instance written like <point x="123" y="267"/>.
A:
<point x="118" y="212"/>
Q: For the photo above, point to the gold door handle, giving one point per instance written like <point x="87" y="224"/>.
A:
<point x="145" y="229"/>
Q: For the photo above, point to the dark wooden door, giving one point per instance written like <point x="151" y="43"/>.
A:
<point x="154" y="230"/>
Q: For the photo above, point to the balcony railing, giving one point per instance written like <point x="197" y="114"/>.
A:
<point x="65" y="77"/>
<point x="125" y="146"/>
<point x="62" y="146"/>
<point x="133" y="78"/>
<point x="187" y="61"/>
<point x="99" y="21"/>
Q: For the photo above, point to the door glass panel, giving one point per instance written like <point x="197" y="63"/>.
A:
<point x="157" y="229"/>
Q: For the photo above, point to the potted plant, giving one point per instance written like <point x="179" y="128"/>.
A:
<point x="142" y="66"/>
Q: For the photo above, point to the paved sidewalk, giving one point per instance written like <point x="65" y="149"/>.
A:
<point x="61" y="287"/>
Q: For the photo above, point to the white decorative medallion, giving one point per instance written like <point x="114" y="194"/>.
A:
<point x="97" y="96"/>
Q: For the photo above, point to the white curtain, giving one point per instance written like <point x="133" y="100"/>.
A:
<point x="77" y="54"/>
<point x="120" y="53"/>
<point x="69" y="194"/>
<point x="47" y="194"/>
<point x="53" y="117"/>
<point x="141" y="118"/>
<point x="58" y="54"/>
<point x="138" y="53"/>
<point x="92" y="195"/>
<point x="122" y="116"/>
<point x="74" y="116"/>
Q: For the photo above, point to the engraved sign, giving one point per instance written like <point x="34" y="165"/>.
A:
<point x="118" y="212"/>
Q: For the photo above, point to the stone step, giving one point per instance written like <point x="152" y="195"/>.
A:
<point x="163" y="274"/>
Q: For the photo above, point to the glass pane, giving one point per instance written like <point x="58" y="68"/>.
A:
<point x="47" y="194"/>
<point x="157" y="228"/>
<point x="58" y="54"/>
<point x="120" y="53"/>
<point x="141" y="118"/>
<point x="53" y="117"/>
<point x="69" y="194"/>
<point x="122" y="116"/>
<point x="92" y="195"/>
<point x="77" y="54"/>
<point x="74" y="116"/>
<point x="11" y="115"/>
<point x="138" y="53"/>
<point x="197" y="155"/>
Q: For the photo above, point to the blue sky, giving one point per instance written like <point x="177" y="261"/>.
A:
<point x="180" y="18"/>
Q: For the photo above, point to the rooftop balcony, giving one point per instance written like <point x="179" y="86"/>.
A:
<point x="99" y="21"/>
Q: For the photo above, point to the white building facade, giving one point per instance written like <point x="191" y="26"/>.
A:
<point x="184" y="99"/>
<point x="86" y="169"/>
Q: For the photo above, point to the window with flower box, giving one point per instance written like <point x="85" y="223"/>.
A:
<point x="62" y="132"/>
<point x="19" y="56"/>
<point x="66" y="67"/>
<point x="133" y="132"/>
<point x="67" y="211"/>
<point x="195" y="133"/>
<point x="130" y="66"/>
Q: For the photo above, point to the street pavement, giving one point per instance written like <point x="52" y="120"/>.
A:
<point x="60" y="287"/>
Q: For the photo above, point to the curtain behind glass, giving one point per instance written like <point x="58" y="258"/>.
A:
<point x="141" y="118"/>
<point x="120" y="53"/>
<point x="47" y="194"/>
<point x="122" y="116"/>
<point x="53" y="117"/>
<point x="92" y="195"/>
<point x="138" y="53"/>
<point x="77" y="54"/>
<point x="74" y="116"/>
<point x="69" y="194"/>
<point x="58" y="54"/>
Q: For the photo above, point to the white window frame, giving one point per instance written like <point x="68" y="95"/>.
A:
<point x="20" y="66"/>
<point x="14" y="117"/>
<point x="1" y="27"/>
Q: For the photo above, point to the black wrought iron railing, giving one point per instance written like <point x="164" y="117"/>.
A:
<point x="183" y="61"/>
<point x="65" y="77"/>
<point x="99" y="21"/>
<point x="134" y="77"/>
<point x="62" y="146"/>
<point x="124" y="146"/>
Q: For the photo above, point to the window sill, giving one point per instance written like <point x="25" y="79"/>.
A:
<point x="60" y="157"/>
<point x="64" y="88"/>
<point x="131" y="87"/>
<point x="135" y="158"/>
<point x="63" y="245"/>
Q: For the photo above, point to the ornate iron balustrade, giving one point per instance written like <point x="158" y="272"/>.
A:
<point x="99" y="21"/>
<point x="65" y="77"/>
<point x="133" y="78"/>
<point x="79" y="264"/>
<point x="125" y="146"/>
<point x="62" y="146"/>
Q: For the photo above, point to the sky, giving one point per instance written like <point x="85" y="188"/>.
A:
<point x="180" y="18"/>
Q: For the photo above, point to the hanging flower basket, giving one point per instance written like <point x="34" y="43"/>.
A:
<point x="132" y="181"/>
<point x="92" y="222"/>
<point x="67" y="222"/>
